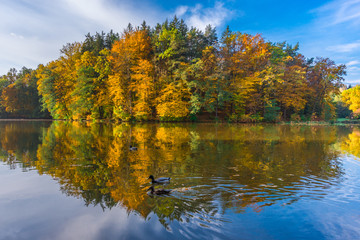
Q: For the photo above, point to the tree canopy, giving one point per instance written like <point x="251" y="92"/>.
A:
<point x="173" y="72"/>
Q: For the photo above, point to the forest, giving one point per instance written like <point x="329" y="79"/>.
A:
<point x="172" y="72"/>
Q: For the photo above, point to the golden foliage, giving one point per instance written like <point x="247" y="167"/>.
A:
<point x="130" y="83"/>
<point x="351" y="97"/>
<point x="173" y="102"/>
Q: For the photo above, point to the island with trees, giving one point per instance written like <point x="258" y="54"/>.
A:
<point x="172" y="72"/>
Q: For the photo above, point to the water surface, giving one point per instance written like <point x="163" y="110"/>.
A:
<point x="80" y="181"/>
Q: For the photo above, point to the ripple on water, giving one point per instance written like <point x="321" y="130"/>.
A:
<point x="279" y="190"/>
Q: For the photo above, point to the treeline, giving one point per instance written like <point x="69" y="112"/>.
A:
<point x="19" y="97"/>
<point x="172" y="73"/>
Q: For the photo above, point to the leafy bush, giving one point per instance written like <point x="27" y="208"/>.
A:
<point x="295" y="117"/>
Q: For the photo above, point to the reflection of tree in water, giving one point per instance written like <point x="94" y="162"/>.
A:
<point x="19" y="141"/>
<point x="75" y="155"/>
<point x="351" y="144"/>
<point x="213" y="167"/>
<point x="283" y="164"/>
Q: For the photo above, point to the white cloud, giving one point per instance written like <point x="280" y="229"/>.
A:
<point x="352" y="63"/>
<point x="335" y="33"/>
<point x="348" y="11"/>
<point x="25" y="51"/>
<point x="340" y="11"/>
<point x="180" y="11"/>
<point x="33" y="31"/>
<point x="16" y="36"/>
<point x="200" y="17"/>
<point x="342" y="48"/>
<point x="108" y="15"/>
<point x="354" y="69"/>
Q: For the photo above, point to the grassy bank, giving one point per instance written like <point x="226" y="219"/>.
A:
<point x="339" y="121"/>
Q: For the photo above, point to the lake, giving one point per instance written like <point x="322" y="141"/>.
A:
<point x="63" y="180"/>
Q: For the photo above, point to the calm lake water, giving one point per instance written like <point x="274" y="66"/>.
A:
<point x="80" y="181"/>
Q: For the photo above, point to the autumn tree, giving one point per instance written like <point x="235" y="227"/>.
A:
<point x="131" y="74"/>
<point x="291" y="90"/>
<point x="244" y="60"/>
<point x="3" y="84"/>
<point x="21" y="98"/>
<point x="57" y="80"/>
<point x="324" y="79"/>
<point x="83" y="94"/>
<point x="351" y="97"/>
<point x="205" y="83"/>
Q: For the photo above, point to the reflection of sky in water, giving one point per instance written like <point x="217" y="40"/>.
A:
<point x="339" y="216"/>
<point x="32" y="207"/>
<point x="336" y="216"/>
<point x="271" y="184"/>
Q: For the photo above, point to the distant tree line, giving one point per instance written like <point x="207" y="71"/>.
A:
<point x="19" y="96"/>
<point x="174" y="73"/>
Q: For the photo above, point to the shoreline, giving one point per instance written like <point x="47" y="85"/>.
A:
<point x="27" y="119"/>
<point x="309" y="123"/>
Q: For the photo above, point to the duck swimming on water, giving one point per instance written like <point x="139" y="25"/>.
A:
<point x="158" y="191"/>
<point x="161" y="180"/>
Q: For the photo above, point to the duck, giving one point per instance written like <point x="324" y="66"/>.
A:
<point x="133" y="148"/>
<point x="161" y="180"/>
<point x="158" y="191"/>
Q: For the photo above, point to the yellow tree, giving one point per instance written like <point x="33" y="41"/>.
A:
<point x="248" y="59"/>
<point x="173" y="102"/>
<point x="66" y="73"/>
<point x="351" y="97"/>
<point x="130" y="66"/>
<point x="291" y="93"/>
<point x="351" y="144"/>
<point x="172" y="62"/>
<point x="143" y="86"/>
<point x="10" y="98"/>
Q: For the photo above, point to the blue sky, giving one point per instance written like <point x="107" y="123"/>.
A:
<point x="33" y="31"/>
